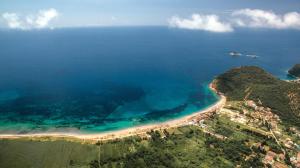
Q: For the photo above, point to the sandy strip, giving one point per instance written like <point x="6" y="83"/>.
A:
<point x="138" y="130"/>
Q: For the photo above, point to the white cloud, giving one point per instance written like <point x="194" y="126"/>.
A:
<point x="44" y="17"/>
<point x="13" y="20"/>
<point x="252" y="18"/>
<point x="37" y="21"/>
<point x="210" y="23"/>
<point x="266" y="19"/>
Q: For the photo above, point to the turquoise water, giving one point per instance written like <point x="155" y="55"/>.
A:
<point x="103" y="79"/>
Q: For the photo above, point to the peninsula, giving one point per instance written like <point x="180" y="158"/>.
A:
<point x="255" y="123"/>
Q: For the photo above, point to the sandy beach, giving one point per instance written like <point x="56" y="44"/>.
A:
<point x="138" y="130"/>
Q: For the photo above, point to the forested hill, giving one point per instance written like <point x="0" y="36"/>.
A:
<point x="253" y="83"/>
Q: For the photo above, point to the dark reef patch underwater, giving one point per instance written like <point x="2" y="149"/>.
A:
<point x="102" y="79"/>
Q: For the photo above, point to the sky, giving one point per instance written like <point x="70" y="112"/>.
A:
<point x="206" y="15"/>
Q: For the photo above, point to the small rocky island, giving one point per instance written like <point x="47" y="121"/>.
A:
<point x="235" y="54"/>
<point x="295" y="70"/>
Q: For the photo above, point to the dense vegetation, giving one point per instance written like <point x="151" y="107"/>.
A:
<point x="222" y="143"/>
<point x="180" y="147"/>
<point x="281" y="96"/>
<point x="295" y="70"/>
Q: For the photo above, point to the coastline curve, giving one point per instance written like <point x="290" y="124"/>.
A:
<point x="137" y="130"/>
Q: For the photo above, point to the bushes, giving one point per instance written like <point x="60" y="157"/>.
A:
<point x="223" y="130"/>
<point x="150" y="157"/>
<point x="233" y="150"/>
<point x="253" y="162"/>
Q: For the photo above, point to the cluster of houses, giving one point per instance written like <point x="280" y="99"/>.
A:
<point x="275" y="160"/>
<point x="199" y="119"/>
<point x="267" y="117"/>
<point x="258" y="115"/>
<point x="295" y="131"/>
<point x="262" y="115"/>
<point x="295" y="160"/>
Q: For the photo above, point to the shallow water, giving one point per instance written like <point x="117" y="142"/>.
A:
<point x="102" y="79"/>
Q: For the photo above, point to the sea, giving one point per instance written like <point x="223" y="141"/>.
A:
<point x="93" y="80"/>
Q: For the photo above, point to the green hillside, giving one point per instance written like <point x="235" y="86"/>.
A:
<point x="281" y="96"/>
<point x="219" y="142"/>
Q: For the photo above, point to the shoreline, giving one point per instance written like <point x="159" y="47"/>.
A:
<point x="137" y="130"/>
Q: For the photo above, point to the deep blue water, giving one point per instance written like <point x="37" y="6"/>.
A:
<point x="101" y="79"/>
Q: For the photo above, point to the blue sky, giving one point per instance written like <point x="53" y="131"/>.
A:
<point x="133" y="12"/>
